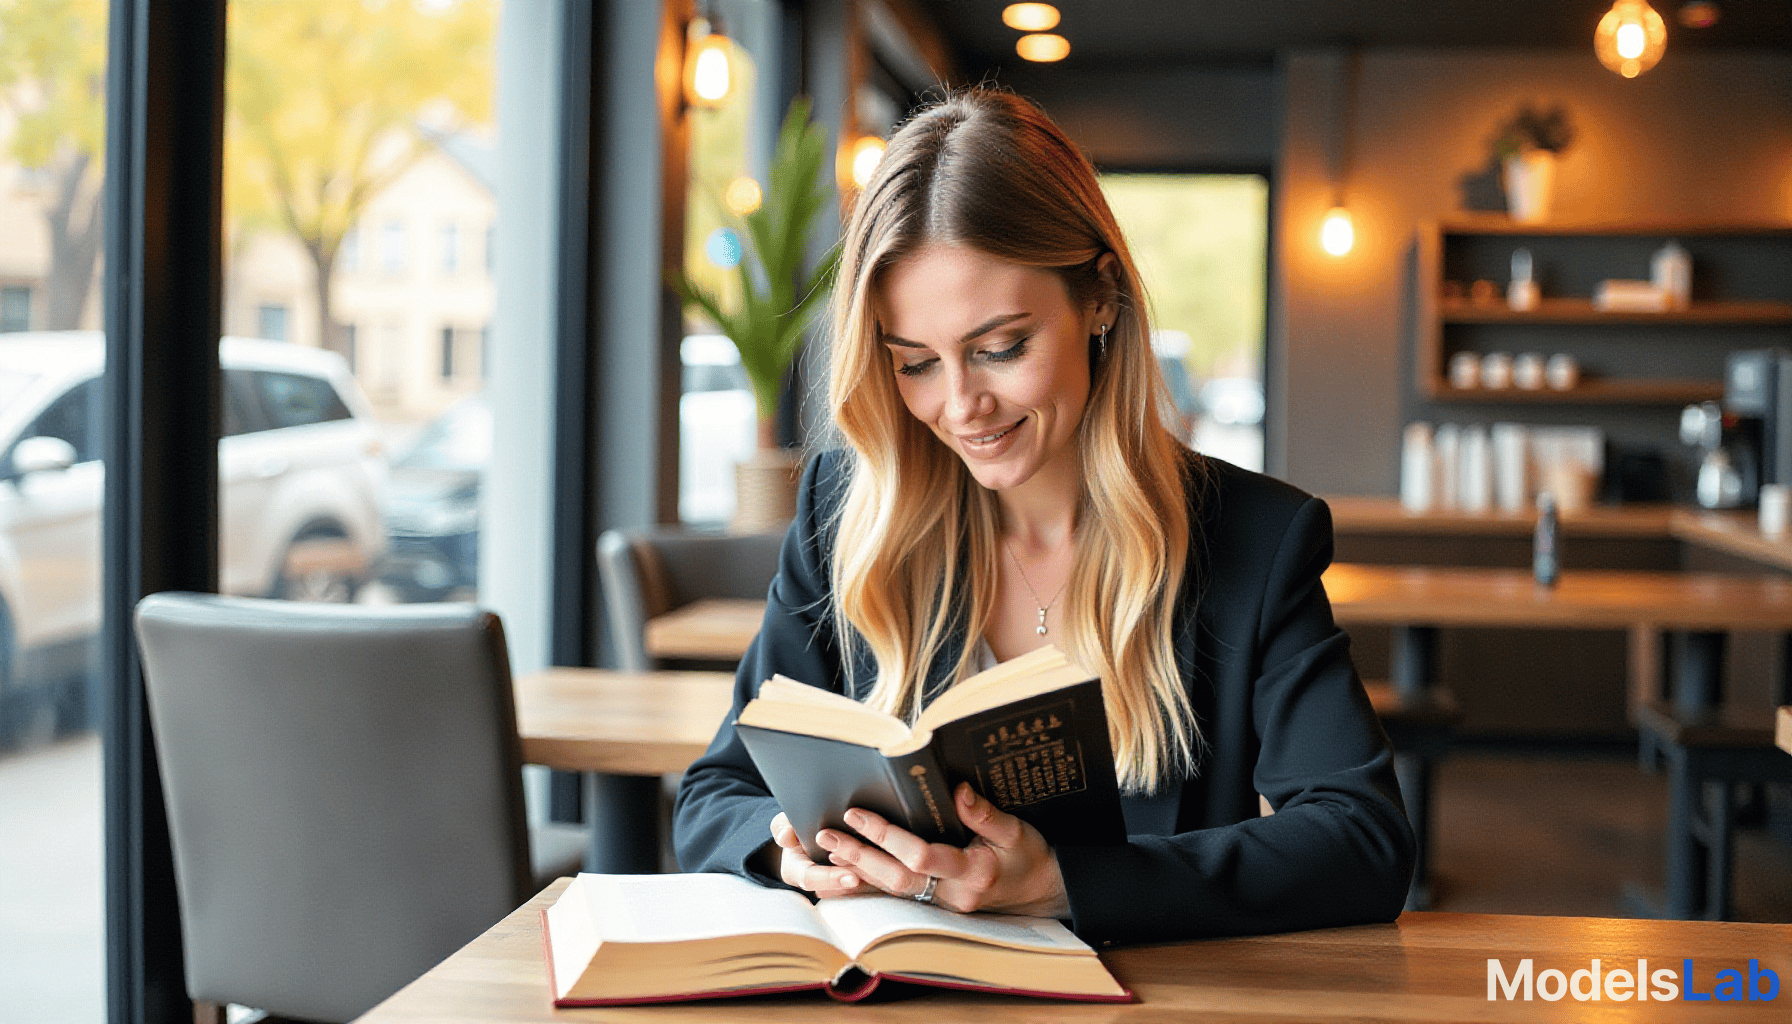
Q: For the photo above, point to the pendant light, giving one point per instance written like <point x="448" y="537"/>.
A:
<point x="1337" y="232"/>
<point x="708" y="76"/>
<point x="1630" y="38"/>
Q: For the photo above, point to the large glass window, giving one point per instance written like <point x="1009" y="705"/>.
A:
<point x="52" y="134"/>
<point x="345" y="196"/>
<point x="717" y="416"/>
<point x="1201" y="243"/>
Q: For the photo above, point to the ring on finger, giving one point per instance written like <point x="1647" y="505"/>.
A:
<point x="926" y="894"/>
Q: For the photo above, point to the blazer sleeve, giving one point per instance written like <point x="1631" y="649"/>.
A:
<point x="723" y="811"/>
<point x="1338" y="850"/>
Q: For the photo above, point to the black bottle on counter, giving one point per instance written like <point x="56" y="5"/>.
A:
<point x="1546" y="562"/>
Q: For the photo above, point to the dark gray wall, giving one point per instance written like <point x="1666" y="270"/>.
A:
<point x="1703" y="136"/>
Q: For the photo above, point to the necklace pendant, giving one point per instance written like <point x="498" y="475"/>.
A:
<point x="1040" y="631"/>
<point x="1041" y="628"/>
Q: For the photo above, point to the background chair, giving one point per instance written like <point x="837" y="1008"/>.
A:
<point x="651" y="572"/>
<point x="344" y="793"/>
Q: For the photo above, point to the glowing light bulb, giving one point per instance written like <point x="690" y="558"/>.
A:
<point x="1042" y="47"/>
<point x="1337" y="235"/>
<point x="707" y="76"/>
<point x="742" y="196"/>
<point x="866" y="152"/>
<point x="1630" y="38"/>
<point x="1030" y="17"/>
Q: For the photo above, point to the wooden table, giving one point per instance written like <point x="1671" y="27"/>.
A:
<point x="713" y="629"/>
<point x="1783" y="733"/>
<point x="624" y="730"/>
<point x="1422" y="968"/>
<point x="1416" y="601"/>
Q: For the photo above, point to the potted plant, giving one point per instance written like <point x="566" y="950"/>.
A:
<point x="1528" y="146"/>
<point x="777" y="297"/>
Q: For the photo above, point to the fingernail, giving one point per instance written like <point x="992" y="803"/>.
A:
<point x="966" y="795"/>
<point x="848" y="881"/>
<point x="826" y="840"/>
<point x="855" y="818"/>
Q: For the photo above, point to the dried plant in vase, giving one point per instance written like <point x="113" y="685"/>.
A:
<point x="777" y="299"/>
<point x="1528" y="146"/>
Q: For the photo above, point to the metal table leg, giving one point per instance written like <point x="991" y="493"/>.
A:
<point x="1414" y="670"/>
<point x="623" y="815"/>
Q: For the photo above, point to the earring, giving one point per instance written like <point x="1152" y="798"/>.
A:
<point x="1102" y="339"/>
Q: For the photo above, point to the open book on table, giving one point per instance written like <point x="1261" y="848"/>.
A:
<point x="662" y="938"/>
<point x="1030" y="734"/>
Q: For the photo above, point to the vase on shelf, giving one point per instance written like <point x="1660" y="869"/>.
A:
<point x="1530" y="181"/>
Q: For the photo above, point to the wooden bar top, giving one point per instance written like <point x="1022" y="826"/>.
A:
<point x="624" y="723"/>
<point x="1407" y="595"/>
<point x="1731" y="532"/>
<point x="1423" y="967"/>
<point x="1583" y="599"/>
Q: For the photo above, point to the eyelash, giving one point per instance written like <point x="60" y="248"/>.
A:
<point x="1005" y="355"/>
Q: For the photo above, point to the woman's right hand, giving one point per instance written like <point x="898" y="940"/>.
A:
<point x="795" y="867"/>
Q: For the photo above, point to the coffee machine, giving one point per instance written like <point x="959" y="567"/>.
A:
<point x="1758" y="396"/>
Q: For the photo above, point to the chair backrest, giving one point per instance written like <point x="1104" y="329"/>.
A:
<point x="650" y="572"/>
<point x="344" y="792"/>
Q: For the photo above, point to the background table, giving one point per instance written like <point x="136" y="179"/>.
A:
<point x="1783" y="735"/>
<point x="624" y="730"/>
<point x="1424" y="967"/>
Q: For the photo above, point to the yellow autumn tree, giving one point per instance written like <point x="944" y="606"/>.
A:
<point x="329" y="102"/>
<point x="53" y="82"/>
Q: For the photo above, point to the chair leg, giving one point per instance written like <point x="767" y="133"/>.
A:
<point x="208" y="1013"/>
<point x="1720" y="863"/>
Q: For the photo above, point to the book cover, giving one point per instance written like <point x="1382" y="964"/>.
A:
<point x="1044" y="758"/>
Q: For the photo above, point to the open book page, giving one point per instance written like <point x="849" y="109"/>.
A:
<point x="677" y="908"/>
<point x="790" y="706"/>
<point x="1034" y="672"/>
<point x="858" y="922"/>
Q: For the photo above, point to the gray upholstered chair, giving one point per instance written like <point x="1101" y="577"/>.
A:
<point x="344" y="793"/>
<point x="648" y="573"/>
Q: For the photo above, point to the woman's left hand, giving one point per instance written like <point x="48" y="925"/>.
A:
<point x="1008" y="867"/>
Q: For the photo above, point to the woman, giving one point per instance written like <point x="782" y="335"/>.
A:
<point x="1007" y="482"/>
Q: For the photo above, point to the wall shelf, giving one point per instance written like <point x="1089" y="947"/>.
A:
<point x="1743" y="299"/>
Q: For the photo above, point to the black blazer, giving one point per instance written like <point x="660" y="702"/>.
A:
<point x="1281" y="710"/>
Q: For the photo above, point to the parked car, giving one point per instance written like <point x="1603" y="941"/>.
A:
<point x="432" y="507"/>
<point x="300" y="479"/>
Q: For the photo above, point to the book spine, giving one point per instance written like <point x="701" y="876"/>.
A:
<point x="927" y="798"/>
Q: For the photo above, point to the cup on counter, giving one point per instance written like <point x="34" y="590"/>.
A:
<point x="1776" y="508"/>
<point x="1496" y="370"/>
<point x="1465" y="370"/>
<point x="1562" y="372"/>
<point x="1528" y="371"/>
<point x="1571" y="482"/>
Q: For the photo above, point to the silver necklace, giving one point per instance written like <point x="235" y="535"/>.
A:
<point x="1043" y="608"/>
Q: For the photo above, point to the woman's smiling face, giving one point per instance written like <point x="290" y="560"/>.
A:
<point x="992" y="356"/>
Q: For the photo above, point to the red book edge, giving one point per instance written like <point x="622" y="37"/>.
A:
<point x="841" y="995"/>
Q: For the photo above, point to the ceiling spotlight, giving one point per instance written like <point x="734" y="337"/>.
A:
<point x="1042" y="47"/>
<point x="1698" y="14"/>
<point x="1030" y="17"/>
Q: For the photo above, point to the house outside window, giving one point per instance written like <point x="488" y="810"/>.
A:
<point x="450" y="248"/>
<point x="392" y="247"/>
<point x="270" y="322"/>
<point x="15" y="308"/>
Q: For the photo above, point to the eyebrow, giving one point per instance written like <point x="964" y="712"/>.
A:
<point x="976" y="332"/>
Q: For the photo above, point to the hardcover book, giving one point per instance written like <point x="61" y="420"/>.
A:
<point x="1030" y="734"/>
<point x="663" y="938"/>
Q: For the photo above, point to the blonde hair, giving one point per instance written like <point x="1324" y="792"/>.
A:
<point x="918" y="539"/>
